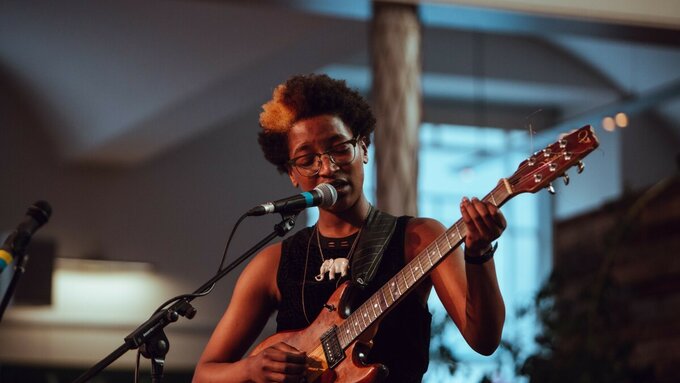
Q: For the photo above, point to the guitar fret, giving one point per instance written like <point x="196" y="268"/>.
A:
<point x="431" y="254"/>
<point x="396" y="278"/>
<point x="372" y="304"/>
<point x="364" y="316"/>
<point x="382" y="301"/>
<point x="439" y="248"/>
<point x="420" y="263"/>
<point x="401" y="285"/>
<point x="447" y="240"/>
<point x="404" y="279"/>
<point x="382" y="289"/>
<point x="417" y="271"/>
<point x="451" y="233"/>
<point x="391" y="284"/>
<point x="410" y="267"/>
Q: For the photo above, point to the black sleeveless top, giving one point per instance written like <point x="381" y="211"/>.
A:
<point x="403" y="338"/>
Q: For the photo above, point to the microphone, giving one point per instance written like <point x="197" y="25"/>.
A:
<point x="15" y="244"/>
<point x="324" y="195"/>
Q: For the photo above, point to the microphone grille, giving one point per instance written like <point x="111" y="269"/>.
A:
<point x="328" y="194"/>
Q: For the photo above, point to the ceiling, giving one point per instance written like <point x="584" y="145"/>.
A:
<point x="119" y="82"/>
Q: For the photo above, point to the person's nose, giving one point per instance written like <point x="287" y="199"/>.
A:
<point x="328" y="167"/>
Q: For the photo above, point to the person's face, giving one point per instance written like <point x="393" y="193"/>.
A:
<point x="317" y="135"/>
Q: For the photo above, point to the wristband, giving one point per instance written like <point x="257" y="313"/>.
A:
<point x="488" y="254"/>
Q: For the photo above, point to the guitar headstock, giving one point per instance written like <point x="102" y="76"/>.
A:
<point x="539" y="170"/>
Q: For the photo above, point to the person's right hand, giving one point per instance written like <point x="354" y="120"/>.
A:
<point x="278" y="363"/>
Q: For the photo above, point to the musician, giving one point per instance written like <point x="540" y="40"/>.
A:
<point x="317" y="130"/>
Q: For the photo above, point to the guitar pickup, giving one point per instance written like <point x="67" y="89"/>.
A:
<point x="331" y="347"/>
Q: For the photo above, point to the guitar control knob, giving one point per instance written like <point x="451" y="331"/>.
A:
<point x="580" y="166"/>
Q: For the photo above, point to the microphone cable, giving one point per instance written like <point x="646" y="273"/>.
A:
<point x="193" y="295"/>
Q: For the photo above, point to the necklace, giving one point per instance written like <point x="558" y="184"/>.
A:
<point x="343" y="263"/>
<point x="337" y="265"/>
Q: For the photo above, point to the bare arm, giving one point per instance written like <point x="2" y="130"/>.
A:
<point x="253" y="301"/>
<point x="469" y="292"/>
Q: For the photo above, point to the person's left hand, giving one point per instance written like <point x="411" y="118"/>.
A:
<point x="484" y="223"/>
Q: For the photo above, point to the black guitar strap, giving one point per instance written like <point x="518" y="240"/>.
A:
<point x="373" y="241"/>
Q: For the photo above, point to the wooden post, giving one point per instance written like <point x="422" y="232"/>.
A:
<point x="395" y="52"/>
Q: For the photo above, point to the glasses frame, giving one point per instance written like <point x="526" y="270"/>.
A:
<point x="318" y="156"/>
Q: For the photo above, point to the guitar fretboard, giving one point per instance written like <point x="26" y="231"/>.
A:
<point x="411" y="275"/>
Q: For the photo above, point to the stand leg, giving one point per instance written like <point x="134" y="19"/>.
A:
<point x="157" y="365"/>
<point x="155" y="349"/>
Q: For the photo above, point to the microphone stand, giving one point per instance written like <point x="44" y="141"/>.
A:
<point x="151" y="339"/>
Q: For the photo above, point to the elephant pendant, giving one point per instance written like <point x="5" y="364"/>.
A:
<point x="333" y="267"/>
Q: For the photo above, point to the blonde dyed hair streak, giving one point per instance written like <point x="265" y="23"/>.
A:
<point x="277" y="116"/>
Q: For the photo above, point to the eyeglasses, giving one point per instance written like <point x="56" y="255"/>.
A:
<point x="309" y="165"/>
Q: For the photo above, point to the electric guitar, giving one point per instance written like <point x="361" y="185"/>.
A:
<point x="338" y="340"/>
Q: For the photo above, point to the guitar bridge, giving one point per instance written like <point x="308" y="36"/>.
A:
<point x="331" y="347"/>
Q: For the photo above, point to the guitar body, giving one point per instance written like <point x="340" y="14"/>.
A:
<point x="349" y="370"/>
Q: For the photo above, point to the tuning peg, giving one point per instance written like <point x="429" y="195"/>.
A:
<point x="580" y="167"/>
<point x="565" y="178"/>
<point x="550" y="188"/>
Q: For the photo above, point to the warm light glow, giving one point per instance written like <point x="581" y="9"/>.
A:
<point x="608" y="124"/>
<point x="99" y="292"/>
<point x="621" y="120"/>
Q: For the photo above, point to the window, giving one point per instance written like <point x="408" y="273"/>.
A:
<point x="457" y="161"/>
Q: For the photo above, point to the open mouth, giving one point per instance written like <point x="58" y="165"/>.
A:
<point x="339" y="184"/>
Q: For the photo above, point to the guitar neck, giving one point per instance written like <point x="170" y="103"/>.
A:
<point x="412" y="274"/>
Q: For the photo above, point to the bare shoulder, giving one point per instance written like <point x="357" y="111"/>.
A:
<point x="424" y="225"/>
<point x="420" y="232"/>
<point x="268" y="258"/>
<point x="262" y="270"/>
